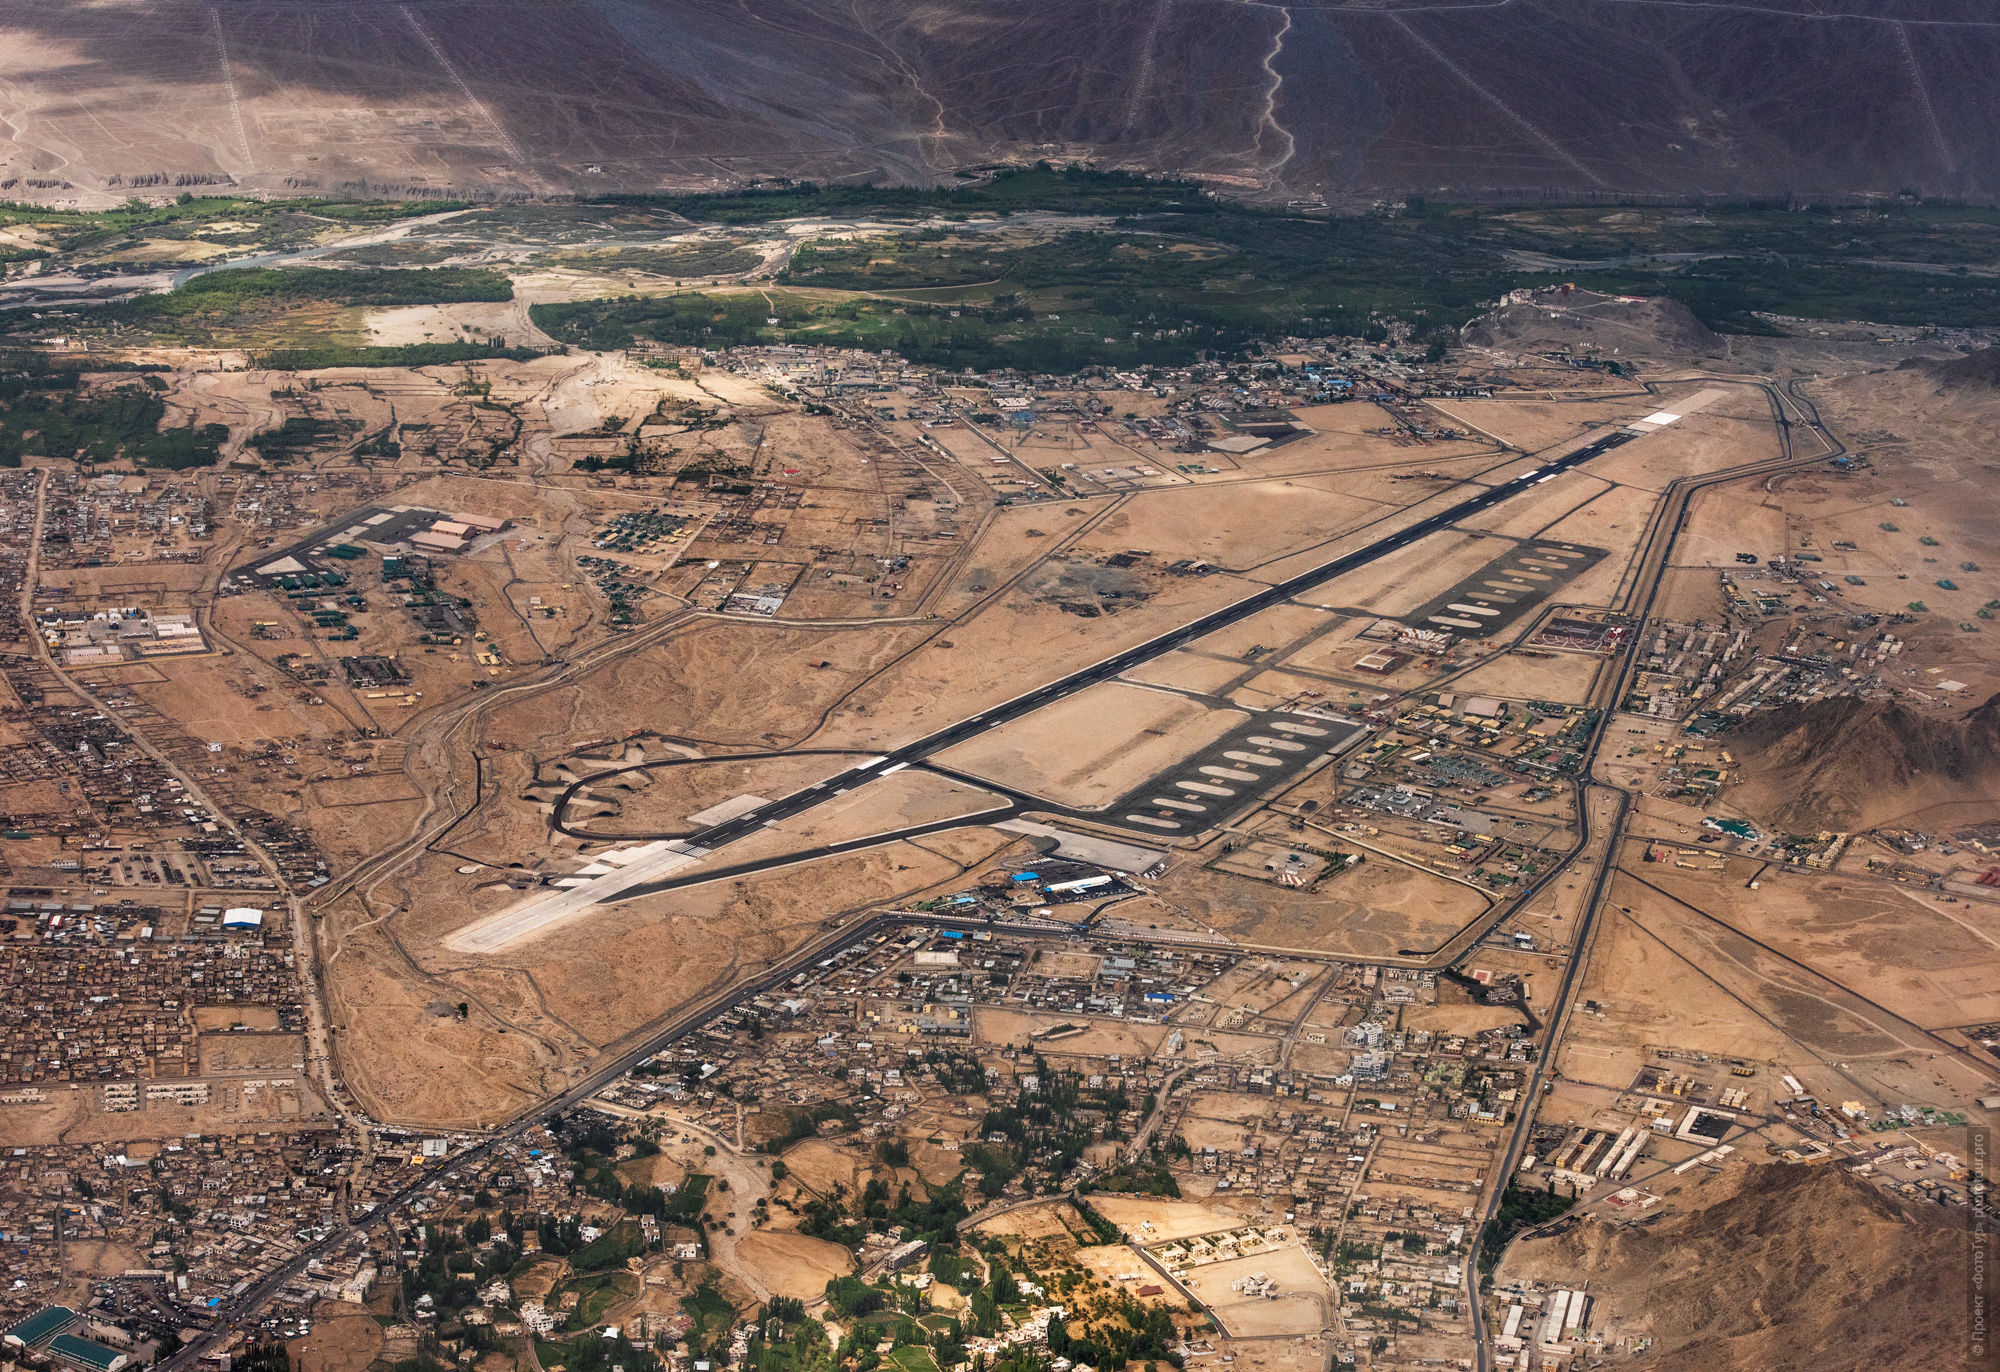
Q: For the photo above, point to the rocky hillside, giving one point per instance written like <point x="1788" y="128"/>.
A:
<point x="1587" y="322"/>
<point x="1975" y="371"/>
<point x="1572" y="97"/>
<point x="1781" y="1269"/>
<point x="1850" y="764"/>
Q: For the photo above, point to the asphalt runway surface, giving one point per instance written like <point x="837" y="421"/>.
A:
<point x="666" y="870"/>
<point x="1010" y="710"/>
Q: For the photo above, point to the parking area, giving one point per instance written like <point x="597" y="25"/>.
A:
<point x="1506" y="588"/>
<point x="1272" y="748"/>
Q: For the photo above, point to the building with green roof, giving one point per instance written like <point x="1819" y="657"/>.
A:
<point x="87" y="1355"/>
<point x="39" y="1327"/>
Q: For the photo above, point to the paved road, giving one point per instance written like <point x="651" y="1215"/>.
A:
<point x="1651" y="565"/>
<point x="1140" y="1140"/>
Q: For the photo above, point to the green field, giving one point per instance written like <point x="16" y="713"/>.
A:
<point x="252" y="305"/>
<point x="223" y="220"/>
<point x="1068" y="191"/>
<point x="409" y="355"/>
<point x="911" y="1358"/>
<point x="57" y="414"/>
<point x="1171" y="283"/>
<point x="1041" y="269"/>
<point x="599" y="1293"/>
<point x="705" y="259"/>
<point x="269" y="307"/>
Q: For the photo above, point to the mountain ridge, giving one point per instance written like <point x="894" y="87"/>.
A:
<point x="521" y="97"/>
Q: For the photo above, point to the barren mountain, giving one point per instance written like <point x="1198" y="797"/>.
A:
<point x="1529" y="96"/>
<point x="1849" y="764"/>
<point x="1979" y="371"/>
<point x="1585" y="321"/>
<point x="1782" y="1270"/>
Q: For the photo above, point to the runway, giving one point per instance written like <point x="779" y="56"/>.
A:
<point x="1008" y="711"/>
<point x="647" y="863"/>
<point x="663" y="869"/>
